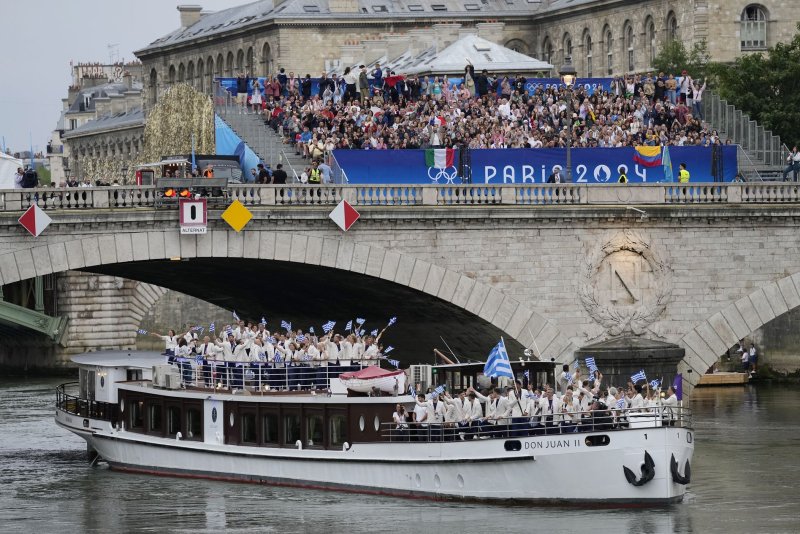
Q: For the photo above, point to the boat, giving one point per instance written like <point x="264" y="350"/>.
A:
<point x="154" y="414"/>
<point x="374" y="378"/>
<point x="722" y="378"/>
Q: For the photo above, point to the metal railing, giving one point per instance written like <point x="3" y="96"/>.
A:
<point x="75" y="405"/>
<point x="587" y="422"/>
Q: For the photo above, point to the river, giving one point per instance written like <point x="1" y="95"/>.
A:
<point x="746" y="478"/>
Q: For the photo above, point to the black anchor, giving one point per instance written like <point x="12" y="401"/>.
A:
<point x="648" y="471"/>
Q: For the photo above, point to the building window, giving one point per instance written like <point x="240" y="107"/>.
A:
<point x="547" y="50"/>
<point x="629" y="48"/>
<point x="651" y="41"/>
<point x="672" y="27"/>
<point x="609" y="41"/>
<point x="567" y="45"/>
<point x="753" y="30"/>
<point x="588" y="47"/>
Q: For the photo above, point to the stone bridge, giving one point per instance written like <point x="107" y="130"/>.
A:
<point x="550" y="267"/>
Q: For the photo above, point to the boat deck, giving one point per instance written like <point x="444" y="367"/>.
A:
<point x="724" y="379"/>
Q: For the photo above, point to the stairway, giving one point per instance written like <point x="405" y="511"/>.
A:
<point x="267" y="144"/>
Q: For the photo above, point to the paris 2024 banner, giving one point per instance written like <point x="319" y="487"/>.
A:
<point x="533" y="165"/>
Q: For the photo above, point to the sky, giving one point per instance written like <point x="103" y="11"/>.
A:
<point x="39" y="38"/>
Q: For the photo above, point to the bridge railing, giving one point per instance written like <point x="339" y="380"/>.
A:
<point x="539" y="195"/>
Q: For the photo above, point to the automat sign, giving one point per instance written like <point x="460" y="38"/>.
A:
<point x="193" y="216"/>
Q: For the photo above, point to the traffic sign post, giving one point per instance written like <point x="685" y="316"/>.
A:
<point x="193" y="215"/>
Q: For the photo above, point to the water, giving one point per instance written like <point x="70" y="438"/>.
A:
<point x="745" y="479"/>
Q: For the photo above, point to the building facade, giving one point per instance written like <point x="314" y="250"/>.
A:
<point x="604" y="37"/>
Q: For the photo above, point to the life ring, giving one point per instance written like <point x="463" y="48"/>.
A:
<point x="648" y="472"/>
<point x="676" y="476"/>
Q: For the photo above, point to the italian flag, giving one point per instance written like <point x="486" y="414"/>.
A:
<point x="440" y="158"/>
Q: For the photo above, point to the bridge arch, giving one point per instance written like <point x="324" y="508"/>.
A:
<point x="714" y="336"/>
<point x="102" y="253"/>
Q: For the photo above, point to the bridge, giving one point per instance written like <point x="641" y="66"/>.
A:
<point x="550" y="267"/>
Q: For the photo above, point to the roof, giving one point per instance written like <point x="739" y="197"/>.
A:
<point x="121" y="358"/>
<point x="261" y="11"/>
<point x="81" y="105"/>
<point x="132" y="119"/>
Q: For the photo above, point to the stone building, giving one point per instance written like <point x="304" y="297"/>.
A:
<point x="604" y="37"/>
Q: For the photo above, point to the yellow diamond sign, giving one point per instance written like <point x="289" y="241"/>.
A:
<point x="237" y="215"/>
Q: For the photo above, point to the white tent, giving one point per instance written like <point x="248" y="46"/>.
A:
<point x="8" y="168"/>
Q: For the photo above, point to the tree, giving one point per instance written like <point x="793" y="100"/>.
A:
<point x="675" y="58"/>
<point x="767" y="88"/>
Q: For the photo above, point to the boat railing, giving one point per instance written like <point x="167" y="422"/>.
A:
<point x="189" y="373"/>
<point x="589" y="422"/>
<point x="89" y="408"/>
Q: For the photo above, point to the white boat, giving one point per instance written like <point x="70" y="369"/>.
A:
<point x="140" y="415"/>
<point x="374" y="378"/>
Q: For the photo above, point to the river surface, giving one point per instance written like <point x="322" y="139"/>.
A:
<point x="746" y="478"/>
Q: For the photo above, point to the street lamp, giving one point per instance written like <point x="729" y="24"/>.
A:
<point x="568" y="77"/>
<point x="124" y="172"/>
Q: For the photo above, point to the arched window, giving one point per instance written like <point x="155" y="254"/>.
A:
<point x="239" y="61"/>
<point x="587" y="45"/>
<point x="220" y="66"/>
<point x="250" y="61"/>
<point x="229" y="65"/>
<point x="266" y="58"/>
<point x="629" y="47"/>
<point x="181" y="73"/>
<point x="200" y="80"/>
<point x="753" y="28"/>
<point x="566" y="45"/>
<point x="190" y="73"/>
<point x="518" y="45"/>
<point x="210" y="74"/>
<point x="171" y="77"/>
<point x="672" y="26"/>
<point x="547" y="50"/>
<point x="650" y="35"/>
<point x="153" y="87"/>
<point x="608" y="44"/>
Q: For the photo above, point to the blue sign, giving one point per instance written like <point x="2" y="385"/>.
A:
<point x="528" y="165"/>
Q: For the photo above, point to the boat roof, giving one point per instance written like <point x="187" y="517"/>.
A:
<point x="138" y="359"/>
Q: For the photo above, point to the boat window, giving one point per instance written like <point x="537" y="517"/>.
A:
<point x="194" y="424"/>
<point x="361" y="423"/>
<point x="134" y="375"/>
<point x="154" y="417"/>
<point x="173" y="420"/>
<point x="513" y="445"/>
<point x="270" y="429"/>
<point x="248" y="428"/>
<point x="291" y="429"/>
<point x="338" y="430"/>
<point x="136" y="420"/>
<point x="597" y="441"/>
<point x="314" y="428"/>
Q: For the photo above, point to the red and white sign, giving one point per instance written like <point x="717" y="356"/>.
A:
<point x="34" y="220"/>
<point x="344" y="215"/>
<point x="193" y="215"/>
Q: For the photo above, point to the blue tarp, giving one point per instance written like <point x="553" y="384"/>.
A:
<point x="230" y="144"/>
<point x="527" y="165"/>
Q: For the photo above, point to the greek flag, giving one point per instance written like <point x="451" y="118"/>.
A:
<point x="327" y="327"/>
<point x="374" y="332"/>
<point x="392" y="321"/>
<point x="300" y="338"/>
<point x="197" y="328"/>
<point x="212" y="328"/>
<point x="395" y="363"/>
<point x="576" y="365"/>
<point x="498" y="363"/>
<point x="307" y="357"/>
<point x="264" y="321"/>
<point x="655" y="384"/>
<point x="411" y="390"/>
<point x="360" y="321"/>
<point x="287" y="326"/>
<point x="235" y="317"/>
<point x="278" y="358"/>
<point x="570" y="379"/>
<point x="621" y="404"/>
<point x="273" y="340"/>
<point x="638" y="376"/>
<point x="349" y="325"/>
<point x="311" y="329"/>
<point x="361" y="332"/>
<point x="388" y="349"/>
<point x="198" y="359"/>
<point x="142" y="331"/>
<point x="229" y="331"/>
<point x="436" y="392"/>
<point x="592" y="376"/>
<point x="590" y="363"/>
<point x="527" y="374"/>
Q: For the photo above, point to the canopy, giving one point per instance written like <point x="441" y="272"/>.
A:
<point x="367" y="373"/>
<point x="8" y="168"/>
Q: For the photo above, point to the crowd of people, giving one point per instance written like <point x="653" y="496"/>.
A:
<point x="383" y="110"/>
<point x="570" y="405"/>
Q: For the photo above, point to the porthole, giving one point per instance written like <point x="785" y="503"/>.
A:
<point x="418" y="480"/>
<point x="231" y="419"/>
<point x="688" y="437"/>
<point x="102" y="382"/>
<point x="361" y="423"/>
<point x="513" y="445"/>
<point x="214" y="415"/>
<point x="377" y="423"/>
<point x="597" y="441"/>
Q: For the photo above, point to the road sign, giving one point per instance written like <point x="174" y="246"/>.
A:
<point x="237" y="215"/>
<point x="34" y="220"/>
<point x="344" y="215"/>
<point x="193" y="215"/>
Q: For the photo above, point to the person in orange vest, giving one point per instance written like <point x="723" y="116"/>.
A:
<point x="209" y="172"/>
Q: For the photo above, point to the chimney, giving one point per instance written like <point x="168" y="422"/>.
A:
<point x="421" y="39"/>
<point x="93" y="81"/>
<point x="117" y="104"/>
<point x="102" y="106"/>
<point x="446" y="34"/>
<point x="127" y="79"/>
<point x="491" y="31"/>
<point x="133" y="100"/>
<point x="189" y="15"/>
<point x="343" y="6"/>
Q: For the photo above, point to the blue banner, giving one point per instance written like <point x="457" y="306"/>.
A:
<point x="230" y="144"/>
<point x="528" y="165"/>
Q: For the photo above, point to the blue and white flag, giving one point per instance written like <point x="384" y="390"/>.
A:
<point x="198" y="359"/>
<point x="197" y="328"/>
<point x="229" y="331"/>
<point x="361" y="332"/>
<point x="374" y="332"/>
<point x="620" y="403"/>
<point x="278" y="358"/>
<point x="311" y="329"/>
<point x="360" y="321"/>
<point x="388" y="349"/>
<point x="300" y="338"/>
<point x="142" y="331"/>
<point x="576" y="365"/>
<point x="287" y="326"/>
<point x="655" y="384"/>
<point x="592" y="376"/>
<point x="570" y="379"/>
<point x="591" y="364"/>
<point x="348" y="326"/>
<point x="395" y="363"/>
<point x="273" y="340"/>
<point x="638" y="376"/>
<point x="527" y="374"/>
<point x="411" y="390"/>
<point x="235" y="317"/>
<point x="307" y="357"/>
<point x="498" y="363"/>
<point x="436" y="392"/>
<point x="392" y="321"/>
<point x="264" y="321"/>
<point x="327" y="327"/>
<point x="212" y="328"/>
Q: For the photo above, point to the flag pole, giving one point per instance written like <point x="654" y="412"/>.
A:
<point x="535" y="346"/>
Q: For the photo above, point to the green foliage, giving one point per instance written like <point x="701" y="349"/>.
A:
<point x="674" y="58"/>
<point x="766" y="86"/>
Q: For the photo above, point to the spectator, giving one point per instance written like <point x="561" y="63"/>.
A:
<point x="279" y="175"/>
<point x="18" y="178"/>
<point x="30" y="178"/>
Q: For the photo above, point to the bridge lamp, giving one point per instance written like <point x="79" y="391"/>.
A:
<point x="568" y="76"/>
<point x="124" y="171"/>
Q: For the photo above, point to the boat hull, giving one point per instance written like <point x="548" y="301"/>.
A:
<point x="545" y="469"/>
